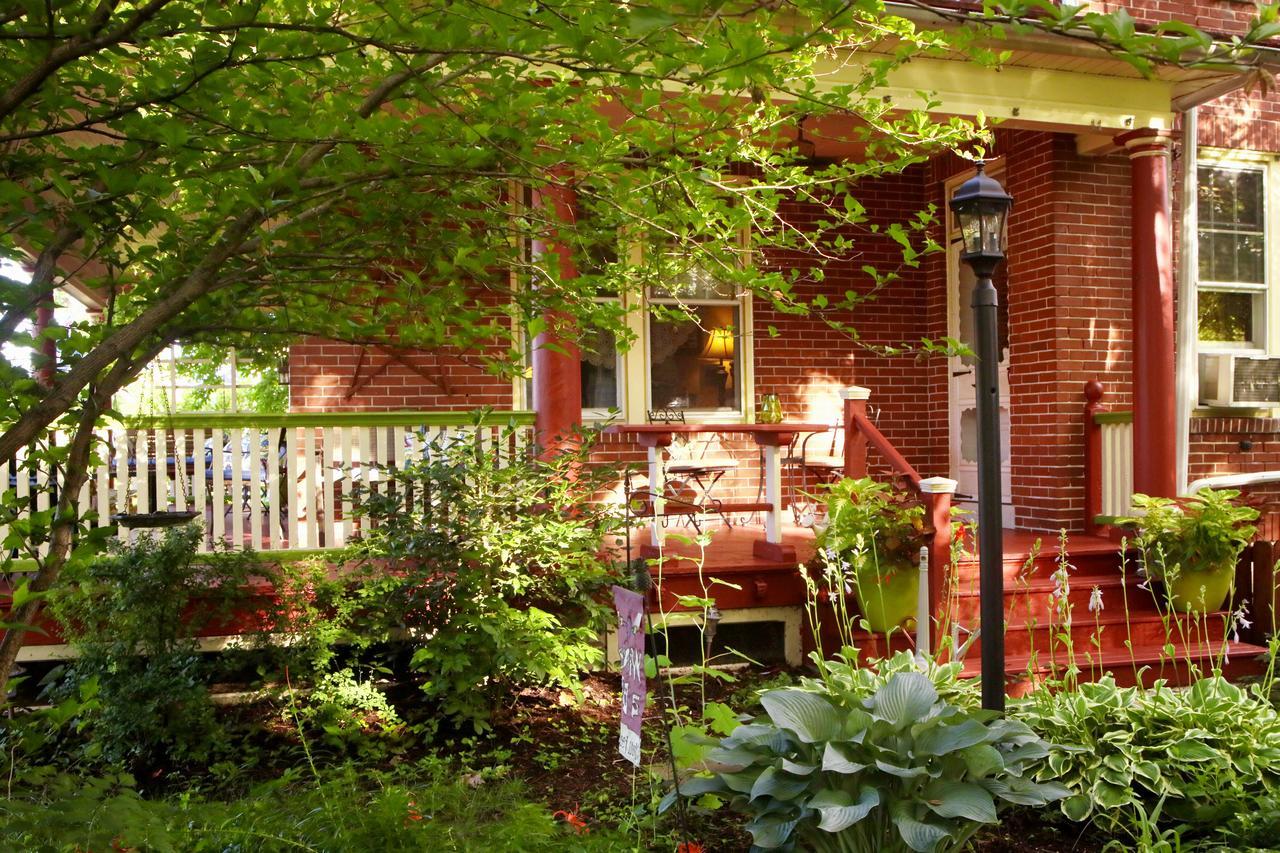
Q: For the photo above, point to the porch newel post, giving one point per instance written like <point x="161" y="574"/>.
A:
<point x="938" y="493"/>
<point x="855" y="443"/>
<point x="557" y="362"/>
<point x="1155" y="470"/>
<point x="1093" y="393"/>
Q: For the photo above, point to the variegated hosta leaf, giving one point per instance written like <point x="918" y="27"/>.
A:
<point x="906" y="699"/>
<point x="840" y="811"/>
<point x="811" y="717"/>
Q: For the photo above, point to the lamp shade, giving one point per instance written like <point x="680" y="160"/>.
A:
<point x="981" y="207"/>
<point x="719" y="344"/>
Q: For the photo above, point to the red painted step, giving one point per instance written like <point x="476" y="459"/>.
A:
<point x="1144" y="664"/>
<point x="1033" y="598"/>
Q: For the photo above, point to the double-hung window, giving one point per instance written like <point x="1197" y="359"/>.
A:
<point x="696" y="347"/>
<point x="1233" y="274"/>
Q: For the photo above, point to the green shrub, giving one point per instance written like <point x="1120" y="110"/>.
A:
<point x="872" y="761"/>
<point x="132" y="616"/>
<point x="1188" y="760"/>
<point x="497" y="562"/>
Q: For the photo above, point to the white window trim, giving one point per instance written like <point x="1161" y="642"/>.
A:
<point x="1269" y="318"/>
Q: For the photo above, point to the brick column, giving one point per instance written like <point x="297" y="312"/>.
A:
<point x="1155" y="411"/>
<point x="557" y="363"/>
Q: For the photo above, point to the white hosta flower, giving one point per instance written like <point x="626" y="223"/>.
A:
<point x="1095" y="600"/>
<point x="1238" y="620"/>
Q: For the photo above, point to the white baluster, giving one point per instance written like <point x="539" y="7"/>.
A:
<point x="236" y="451"/>
<point x="311" y="534"/>
<point x="199" y="493"/>
<point x="218" y="480"/>
<point x="255" y="482"/>
<point x="275" y="500"/>
<point x="349" y="474"/>
<point x="180" y="481"/>
<point x="291" y="485"/>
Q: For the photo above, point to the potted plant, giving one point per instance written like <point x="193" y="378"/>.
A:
<point x="871" y="545"/>
<point x="1192" y="545"/>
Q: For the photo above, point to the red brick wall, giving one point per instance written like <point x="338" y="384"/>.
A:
<point x="325" y="376"/>
<point x="808" y="362"/>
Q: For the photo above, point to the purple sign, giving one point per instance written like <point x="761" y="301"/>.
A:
<point x="630" y="606"/>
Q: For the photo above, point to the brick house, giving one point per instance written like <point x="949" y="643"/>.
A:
<point x="1117" y="180"/>
<point x="1095" y="158"/>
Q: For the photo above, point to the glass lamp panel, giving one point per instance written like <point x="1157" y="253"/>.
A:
<point x="993" y="231"/>
<point x="970" y="230"/>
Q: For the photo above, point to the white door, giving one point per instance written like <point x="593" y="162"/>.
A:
<point x="962" y="406"/>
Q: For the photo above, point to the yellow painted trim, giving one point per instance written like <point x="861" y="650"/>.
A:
<point x="1038" y="95"/>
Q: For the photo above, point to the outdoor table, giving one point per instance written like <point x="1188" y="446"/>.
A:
<point x="769" y="437"/>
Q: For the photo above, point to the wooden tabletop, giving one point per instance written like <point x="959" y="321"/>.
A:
<point x="659" y="435"/>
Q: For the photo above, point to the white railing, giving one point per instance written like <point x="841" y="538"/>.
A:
<point x="1117" y="463"/>
<point x="270" y="482"/>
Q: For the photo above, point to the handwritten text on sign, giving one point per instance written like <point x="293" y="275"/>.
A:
<point x="630" y="607"/>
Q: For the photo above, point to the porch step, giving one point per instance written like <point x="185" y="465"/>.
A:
<point x="1031" y="598"/>
<point x="1144" y="664"/>
<point x="1112" y="631"/>
<point x="1088" y="556"/>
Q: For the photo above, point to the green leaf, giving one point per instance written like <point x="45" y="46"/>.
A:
<point x="1194" y="750"/>
<point x="1110" y="796"/>
<point x="949" y="798"/>
<point x="812" y="718"/>
<point x="908" y="697"/>
<point x="770" y="833"/>
<point x="943" y="739"/>
<point x="1077" y="807"/>
<point x="838" y="809"/>
<point x="773" y="783"/>
<point x="918" y="835"/>
<point x="835" y="759"/>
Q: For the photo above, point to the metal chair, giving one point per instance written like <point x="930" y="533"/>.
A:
<point x="693" y="474"/>
<point x="825" y="460"/>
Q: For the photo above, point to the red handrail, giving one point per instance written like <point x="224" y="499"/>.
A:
<point x="861" y="432"/>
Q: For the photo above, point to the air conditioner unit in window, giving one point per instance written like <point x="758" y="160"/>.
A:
<point x="1244" y="381"/>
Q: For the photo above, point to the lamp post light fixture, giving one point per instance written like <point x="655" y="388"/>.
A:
<point x="981" y="206"/>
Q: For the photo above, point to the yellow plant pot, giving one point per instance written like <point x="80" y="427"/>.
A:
<point x="888" y="601"/>
<point x="1201" y="592"/>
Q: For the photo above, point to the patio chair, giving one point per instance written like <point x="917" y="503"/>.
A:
<point x="693" y="472"/>
<point x="823" y="461"/>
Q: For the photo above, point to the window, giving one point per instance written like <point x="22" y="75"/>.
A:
<point x="1232" y="282"/>
<point x="695" y="351"/>
<point x="689" y="351"/>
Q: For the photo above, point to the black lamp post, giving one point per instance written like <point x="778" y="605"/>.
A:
<point x="981" y="205"/>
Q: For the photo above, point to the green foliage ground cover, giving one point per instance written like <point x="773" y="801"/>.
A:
<point x="420" y="807"/>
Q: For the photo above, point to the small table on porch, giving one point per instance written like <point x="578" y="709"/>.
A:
<point x="769" y="437"/>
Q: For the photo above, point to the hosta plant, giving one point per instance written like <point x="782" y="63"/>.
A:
<point x="1191" y="758"/>
<point x="842" y="764"/>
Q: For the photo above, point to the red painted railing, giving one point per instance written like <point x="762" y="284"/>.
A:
<point x="861" y="434"/>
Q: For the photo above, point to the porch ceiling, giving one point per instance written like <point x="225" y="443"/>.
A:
<point x="1049" y="82"/>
